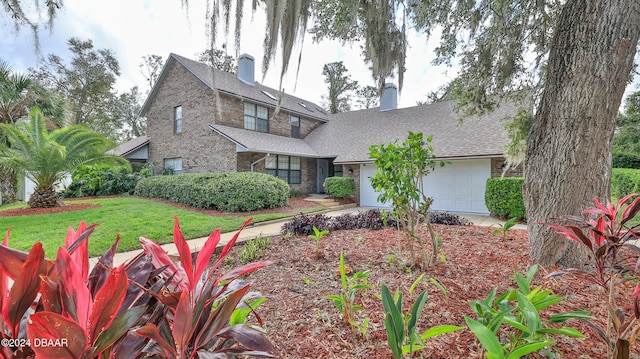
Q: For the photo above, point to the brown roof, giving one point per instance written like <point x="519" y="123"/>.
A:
<point x="254" y="141"/>
<point x="130" y="146"/>
<point x="228" y="83"/>
<point x="349" y="135"/>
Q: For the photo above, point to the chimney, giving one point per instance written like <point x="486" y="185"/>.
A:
<point x="389" y="98"/>
<point x="246" y="69"/>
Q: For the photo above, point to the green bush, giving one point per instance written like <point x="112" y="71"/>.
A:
<point x="339" y="187"/>
<point x="102" y="180"/>
<point x="625" y="181"/>
<point x="503" y="197"/>
<point x="227" y="192"/>
<point x="625" y="160"/>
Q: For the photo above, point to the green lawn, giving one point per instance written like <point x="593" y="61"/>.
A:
<point x="130" y="217"/>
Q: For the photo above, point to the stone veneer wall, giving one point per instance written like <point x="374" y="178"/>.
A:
<point x="201" y="150"/>
<point x="497" y="166"/>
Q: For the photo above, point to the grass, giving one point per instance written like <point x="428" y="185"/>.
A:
<point x="128" y="216"/>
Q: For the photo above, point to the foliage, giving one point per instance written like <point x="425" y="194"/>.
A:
<point x="218" y="59"/>
<point x="101" y="180"/>
<point x="86" y="82"/>
<point x="317" y="235"/>
<point x="503" y="197"/>
<point x="514" y="317"/>
<point x="624" y="181"/>
<point x="227" y="192"/>
<point x="623" y="159"/>
<point x="341" y="86"/>
<point x="150" y="69"/>
<point x="626" y="145"/>
<point x="18" y="93"/>
<point x="35" y="15"/>
<point x="46" y="157"/>
<point x="448" y="218"/>
<point x="303" y="224"/>
<point x="399" y="178"/>
<point x="402" y="332"/>
<point x="367" y="97"/>
<point x="345" y="302"/>
<point x="149" y="305"/>
<point x="503" y="228"/>
<point x="126" y="110"/>
<point x="339" y="187"/>
<point x="605" y="233"/>
<point x="253" y="249"/>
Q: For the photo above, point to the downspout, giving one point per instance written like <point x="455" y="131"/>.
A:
<point x="258" y="161"/>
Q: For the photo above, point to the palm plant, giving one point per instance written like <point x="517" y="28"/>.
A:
<point x="46" y="157"/>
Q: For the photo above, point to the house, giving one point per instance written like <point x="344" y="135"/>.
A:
<point x="203" y="120"/>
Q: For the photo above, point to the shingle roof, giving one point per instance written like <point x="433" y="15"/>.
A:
<point x="349" y="135"/>
<point x="130" y="146"/>
<point x="264" y="142"/>
<point x="228" y="83"/>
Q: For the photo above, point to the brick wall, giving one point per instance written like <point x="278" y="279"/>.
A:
<point x="356" y="179"/>
<point x="200" y="149"/>
<point x="497" y="165"/>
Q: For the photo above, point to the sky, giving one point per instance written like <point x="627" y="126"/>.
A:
<point x="135" y="28"/>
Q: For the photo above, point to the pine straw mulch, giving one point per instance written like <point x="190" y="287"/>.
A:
<point x="302" y="324"/>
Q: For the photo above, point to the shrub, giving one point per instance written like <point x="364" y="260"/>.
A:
<point x="625" y="160"/>
<point x="148" y="306"/>
<point x="339" y="187"/>
<point x="449" y="219"/>
<point x="101" y="180"/>
<point x="227" y="192"/>
<point x="303" y="224"/>
<point x="624" y="181"/>
<point x="503" y="197"/>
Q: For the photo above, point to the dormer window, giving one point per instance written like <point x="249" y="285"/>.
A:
<point x="256" y="117"/>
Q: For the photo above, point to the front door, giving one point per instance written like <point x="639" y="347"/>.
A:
<point x="323" y="173"/>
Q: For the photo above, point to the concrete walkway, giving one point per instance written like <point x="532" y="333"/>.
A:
<point x="273" y="228"/>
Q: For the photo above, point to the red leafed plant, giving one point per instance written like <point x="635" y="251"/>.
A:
<point x="126" y="312"/>
<point x="200" y="303"/>
<point x="612" y="243"/>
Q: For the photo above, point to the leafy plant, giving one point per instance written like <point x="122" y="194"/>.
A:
<point x="611" y="243"/>
<point x="345" y="302"/>
<point x="252" y="249"/>
<point x="339" y="187"/>
<point x="504" y="228"/>
<point x="147" y="306"/>
<point x="402" y="333"/>
<point x="317" y="235"/>
<point x="399" y="178"/>
<point x="515" y="316"/>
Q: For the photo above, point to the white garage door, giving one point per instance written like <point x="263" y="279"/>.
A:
<point x="457" y="187"/>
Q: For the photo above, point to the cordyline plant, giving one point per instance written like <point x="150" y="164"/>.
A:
<point x="612" y="244"/>
<point x="132" y="311"/>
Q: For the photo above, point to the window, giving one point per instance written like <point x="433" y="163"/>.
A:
<point x="177" y="119"/>
<point x="286" y="168"/>
<point x="295" y="127"/>
<point x="173" y="164"/>
<point x="338" y="171"/>
<point x="256" y="117"/>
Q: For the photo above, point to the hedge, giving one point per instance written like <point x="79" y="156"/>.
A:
<point x="339" y="187"/>
<point x="227" y="192"/>
<point x="624" y="181"/>
<point x="625" y="160"/>
<point x="503" y="197"/>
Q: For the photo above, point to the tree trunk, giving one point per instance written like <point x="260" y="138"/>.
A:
<point x="8" y="184"/>
<point x="568" y="159"/>
<point x="44" y="198"/>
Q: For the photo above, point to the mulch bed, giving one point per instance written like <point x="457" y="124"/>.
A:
<point x="302" y="324"/>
